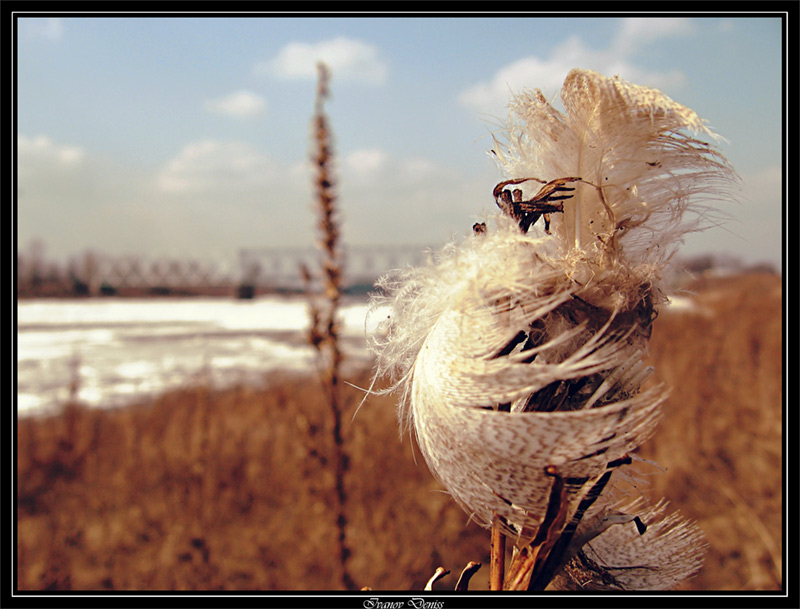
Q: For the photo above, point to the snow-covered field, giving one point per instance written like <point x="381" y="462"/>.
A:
<point x="114" y="351"/>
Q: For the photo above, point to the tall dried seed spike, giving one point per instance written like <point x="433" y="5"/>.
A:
<point x="324" y="333"/>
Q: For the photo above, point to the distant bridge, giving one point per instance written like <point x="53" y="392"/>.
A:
<point x="262" y="268"/>
<point x="363" y="265"/>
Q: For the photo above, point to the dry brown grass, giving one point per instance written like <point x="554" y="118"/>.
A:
<point x="721" y="436"/>
<point x="206" y="490"/>
<point x="230" y="490"/>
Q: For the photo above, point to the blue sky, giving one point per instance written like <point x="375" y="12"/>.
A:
<point x="190" y="136"/>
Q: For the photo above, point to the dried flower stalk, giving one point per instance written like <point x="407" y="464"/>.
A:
<point x="519" y="355"/>
<point x="324" y="329"/>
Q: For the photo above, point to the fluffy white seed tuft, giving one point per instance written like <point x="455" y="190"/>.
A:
<point x="520" y="356"/>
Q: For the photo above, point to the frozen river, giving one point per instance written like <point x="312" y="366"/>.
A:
<point x="114" y="351"/>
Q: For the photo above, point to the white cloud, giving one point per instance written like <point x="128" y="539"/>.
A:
<point x="213" y="166"/>
<point x="376" y="168"/>
<point x="348" y="59"/>
<point x="366" y="162"/>
<point x="41" y="151"/>
<point x="637" y="31"/>
<point x="241" y="104"/>
<point x="547" y="73"/>
<point x="51" y="28"/>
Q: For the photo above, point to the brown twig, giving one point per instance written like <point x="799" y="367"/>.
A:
<point x="498" y="557"/>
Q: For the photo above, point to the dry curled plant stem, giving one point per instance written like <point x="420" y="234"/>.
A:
<point x="437" y="575"/>
<point x="466" y="575"/>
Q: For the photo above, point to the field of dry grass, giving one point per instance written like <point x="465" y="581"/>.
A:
<point x="721" y="438"/>
<point x="230" y="490"/>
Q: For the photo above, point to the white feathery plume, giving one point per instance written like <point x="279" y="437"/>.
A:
<point x="520" y="355"/>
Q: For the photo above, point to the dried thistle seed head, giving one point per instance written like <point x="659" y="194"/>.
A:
<point x="517" y="354"/>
